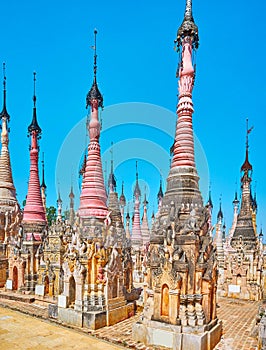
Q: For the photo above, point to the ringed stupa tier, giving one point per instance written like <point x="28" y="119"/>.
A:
<point x="43" y="185"/>
<point x="8" y="198"/>
<point x="136" y="237"/>
<point x="181" y="261"/>
<point x="34" y="212"/>
<point x="93" y="198"/>
<point x="145" y="231"/>
<point x="113" y="202"/>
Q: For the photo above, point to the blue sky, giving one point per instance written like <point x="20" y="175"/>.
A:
<point x="137" y="63"/>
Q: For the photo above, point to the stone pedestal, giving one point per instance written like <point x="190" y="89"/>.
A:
<point x="118" y="311"/>
<point x="178" y="337"/>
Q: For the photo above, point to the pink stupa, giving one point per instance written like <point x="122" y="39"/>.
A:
<point x="34" y="212"/>
<point x="93" y="196"/>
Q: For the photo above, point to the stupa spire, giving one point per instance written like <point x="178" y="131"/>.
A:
<point x="59" y="203"/>
<point x="34" y="210"/>
<point x="187" y="39"/>
<point x="137" y="192"/>
<point x="122" y="202"/>
<point x="245" y="222"/>
<point x="160" y="194"/>
<point x="93" y="197"/>
<point x="71" y="206"/>
<point x="188" y="27"/>
<point x="112" y="180"/>
<point x="136" y="228"/>
<point x="246" y="165"/>
<point x="220" y="213"/>
<point x="182" y="181"/>
<point x="7" y="188"/>
<point x="94" y="93"/>
<point x="145" y="231"/>
<point x="4" y="112"/>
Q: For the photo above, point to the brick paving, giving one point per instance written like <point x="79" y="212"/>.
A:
<point x="238" y="318"/>
<point x="238" y="321"/>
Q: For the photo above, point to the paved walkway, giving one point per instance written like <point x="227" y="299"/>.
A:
<point x="22" y="332"/>
<point x="237" y="316"/>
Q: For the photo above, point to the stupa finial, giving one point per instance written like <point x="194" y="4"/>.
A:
<point x="94" y="93"/>
<point x="246" y="165"/>
<point x="4" y="110"/>
<point x="34" y="126"/>
<point x="188" y="27"/>
<point x="137" y="189"/>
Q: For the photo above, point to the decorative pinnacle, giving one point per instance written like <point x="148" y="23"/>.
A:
<point x="145" y="202"/>
<point x="220" y="213"/>
<point x="34" y="126"/>
<point x="71" y="194"/>
<point x="4" y="111"/>
<point x="59" y="200"/>
<point x="4" y="74"/>
<point x="122" y="199"/>
<point x="112" y="180"/>
<point x="247" y="166"/>
<point x="137" y="189"/>
<point x="209" y="203"/>
<point x="95" y="54"/>
<point x="188" y="27"/>
<point x="43" y="182"/>
<point x="34" y="89"/>
<point x="160" y="192"/>
<point x="94" y="93"/>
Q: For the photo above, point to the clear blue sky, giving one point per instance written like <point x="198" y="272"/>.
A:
<point x="137" y="63"/>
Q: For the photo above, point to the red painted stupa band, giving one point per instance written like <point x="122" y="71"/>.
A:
<point x="93" y="196"/>
<point x="183" y="154"/>
<point x="34" y="210"/>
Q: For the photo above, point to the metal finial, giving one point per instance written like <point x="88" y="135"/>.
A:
<point x="34" y="89"/>
<point x="4" y="113"/>
<point x="188" y="28"/>
<point x="112" y="157"/>
<point x="137" y="191"/>
<point x="112" y="179"/>
<point x="95" y="54"/>
<point x="4" y="75"/>
<point x="94" y="93"/>
<point x="188" y="10"/>
<point x="43" y="181"/>
<point x="160" y="192"/>
<point x="59" y="200"/>
<point x="247" y="166"/>
<point x="220" y="213"/>
<point x="248" y="132"/>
